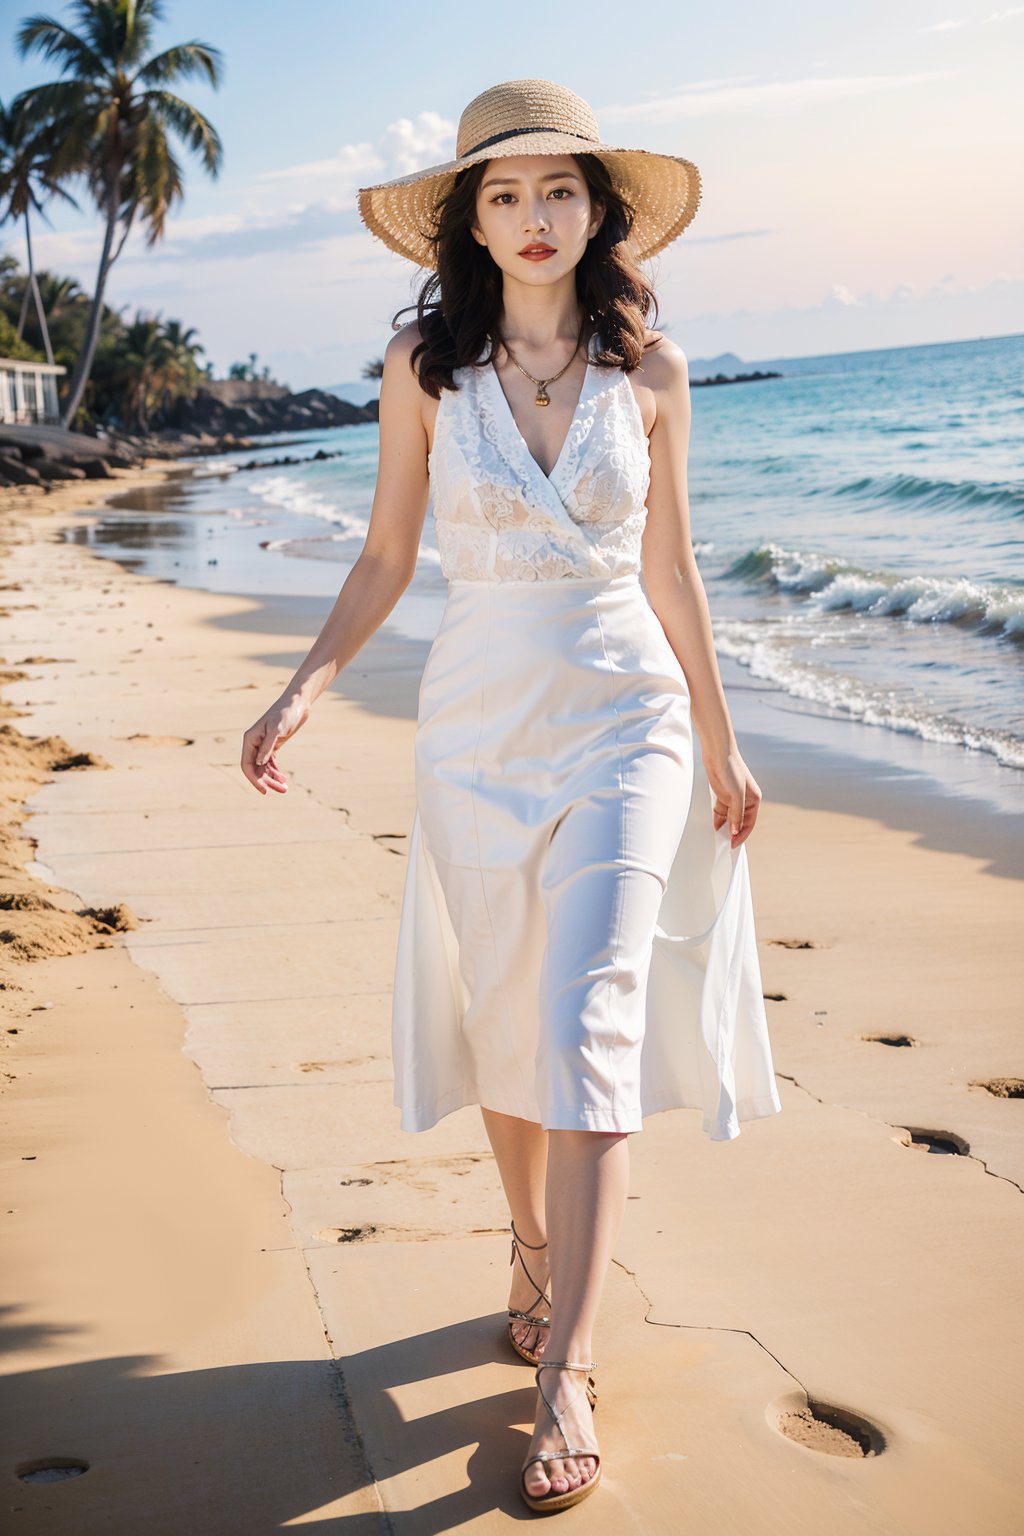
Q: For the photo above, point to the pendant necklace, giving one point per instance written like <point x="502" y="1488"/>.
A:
<point x="542" y="397"/>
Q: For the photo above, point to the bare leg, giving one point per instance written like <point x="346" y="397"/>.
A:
<point x="520" y="1150"/>
<point x="585" y="1199"/>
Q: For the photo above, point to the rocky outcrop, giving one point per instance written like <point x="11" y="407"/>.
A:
<point x="40" y="456"/>
<point x="223" y="408"/>
<point x="223" y="418"/>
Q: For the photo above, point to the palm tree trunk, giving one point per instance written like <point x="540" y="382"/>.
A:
<point x="34" y="285"/>
<point x="83" y="365"/>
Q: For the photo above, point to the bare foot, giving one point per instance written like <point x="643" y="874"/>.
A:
<point x="562" y="1388"/>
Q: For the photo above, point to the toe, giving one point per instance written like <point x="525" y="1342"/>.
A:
<point x="557" y="1475"/>
<point x="537" y="1480"/>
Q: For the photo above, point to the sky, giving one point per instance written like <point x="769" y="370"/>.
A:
<point x="860" y="164"/>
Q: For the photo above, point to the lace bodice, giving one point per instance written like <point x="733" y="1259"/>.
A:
<point x="498" y="517"/>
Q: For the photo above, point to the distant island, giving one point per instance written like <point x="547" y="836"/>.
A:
<point x="727" y="368"/>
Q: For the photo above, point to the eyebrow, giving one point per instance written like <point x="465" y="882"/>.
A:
<point x="505" y="181"/>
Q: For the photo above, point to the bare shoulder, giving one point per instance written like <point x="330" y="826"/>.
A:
<point x="398" y="352"/>
<point x="400" y="385"/>
<point x="664" y="363"/>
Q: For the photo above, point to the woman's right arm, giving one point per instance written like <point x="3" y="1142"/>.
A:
<point x="379" y="576"/>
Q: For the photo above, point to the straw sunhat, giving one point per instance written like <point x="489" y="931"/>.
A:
<point x="534" y="117"/>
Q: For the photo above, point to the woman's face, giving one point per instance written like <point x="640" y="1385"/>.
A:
<point x="531" y="200"/>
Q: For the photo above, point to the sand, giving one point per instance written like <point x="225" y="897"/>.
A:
<point x="239" y="1298"/>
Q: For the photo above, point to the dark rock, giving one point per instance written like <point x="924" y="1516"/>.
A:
<point x="47" y="470"/>
<point x="17" y="473"/>
<point x="95" y="469"/>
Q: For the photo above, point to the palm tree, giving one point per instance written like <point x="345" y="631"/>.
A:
<point x="110" y="120"/>
<point x="374" y="369"/>
<point x="181" y="372"/>
<point x="61" y="296"/>
<point x="63" y="304"/>
<point x="24" y="175"/>
<point x="141" y="365"/>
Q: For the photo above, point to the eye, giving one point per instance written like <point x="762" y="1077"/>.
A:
<point x="566" y="190"/>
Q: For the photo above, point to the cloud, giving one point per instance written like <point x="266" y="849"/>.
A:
<point x="403" y="147"/>
<point x="993" y="16"/>
<point x="721" y="99"/>
<point x="289" y="209"/>
<point x="293" y="230"/>
<point x="725" y="236"/>
<point x="309" y="203"/>
<point x="410" y="143"/>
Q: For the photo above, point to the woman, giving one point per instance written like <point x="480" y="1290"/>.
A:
<point x="576" y="948"/>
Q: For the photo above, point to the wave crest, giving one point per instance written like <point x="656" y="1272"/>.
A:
<point x="831" y="584"/>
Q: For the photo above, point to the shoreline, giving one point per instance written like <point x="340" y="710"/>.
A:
<point x="202" y="1109"/>
<point x="953" y="799"/>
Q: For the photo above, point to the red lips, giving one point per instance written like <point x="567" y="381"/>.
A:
<point x="536" y="248"/>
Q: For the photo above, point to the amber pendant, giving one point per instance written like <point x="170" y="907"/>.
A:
<point x="542" y="397"/>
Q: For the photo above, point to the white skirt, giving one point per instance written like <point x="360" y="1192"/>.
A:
<point x="576" y="944"/>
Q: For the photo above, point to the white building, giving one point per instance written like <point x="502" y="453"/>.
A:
<point x="28" y="391"/>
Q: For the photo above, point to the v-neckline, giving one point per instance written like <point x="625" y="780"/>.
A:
<point x="521" y="440"/>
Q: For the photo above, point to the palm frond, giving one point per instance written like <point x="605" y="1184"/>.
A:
<point x="59" y="43"/>
<point x="182" y="62"/>
<point x="197" y="132"/>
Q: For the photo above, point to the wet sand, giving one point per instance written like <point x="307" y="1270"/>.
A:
<point x="240" y="1297"/>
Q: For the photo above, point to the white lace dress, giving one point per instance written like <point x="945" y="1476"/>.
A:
<point x="576" y="944"/>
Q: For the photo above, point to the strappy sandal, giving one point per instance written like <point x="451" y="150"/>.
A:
<point x="545" y="1502"/>
<point x="527" y="1316"/>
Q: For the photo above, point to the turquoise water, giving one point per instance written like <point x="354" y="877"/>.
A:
<point x="858" y="524"/>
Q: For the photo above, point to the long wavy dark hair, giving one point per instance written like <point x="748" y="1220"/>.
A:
<point x="459" y="303"/>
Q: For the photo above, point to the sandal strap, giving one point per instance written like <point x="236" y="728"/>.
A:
<point x="557" y="1414"/>
<point x="517" y="1239"/>
<point x="528" y="1317"/>
<point x="542" y="1295"/>
<point x="571" y="1450"/>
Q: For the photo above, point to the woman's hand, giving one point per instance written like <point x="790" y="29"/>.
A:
<point x="737" y="796"/>
<point x="260" y="741"/>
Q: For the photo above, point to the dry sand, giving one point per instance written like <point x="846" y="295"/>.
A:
<point x="239" y="1298"/>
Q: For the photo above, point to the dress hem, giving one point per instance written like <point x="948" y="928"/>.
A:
<point x="423" y="1117"/>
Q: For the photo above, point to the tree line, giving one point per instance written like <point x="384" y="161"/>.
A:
<point x="109" y="124"/>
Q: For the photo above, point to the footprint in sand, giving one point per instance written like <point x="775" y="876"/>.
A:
<point x="798" y="943"/>
<point x="890" y="1039"/>
<point x="947" y="1143"/>
<point x="142" y="739"/>
<point x="344" y="1234"/>
<point x="1000" y="1087"/>
<point x="825" y="1427"/>
<point x="50" y="1469"/>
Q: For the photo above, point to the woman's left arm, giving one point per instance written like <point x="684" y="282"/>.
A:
<point x="676" y="592"/>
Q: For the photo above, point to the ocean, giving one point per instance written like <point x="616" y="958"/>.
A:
<point x="858" y="524"/>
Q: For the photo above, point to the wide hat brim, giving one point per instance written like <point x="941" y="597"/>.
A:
<point x="665" y="191"/>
